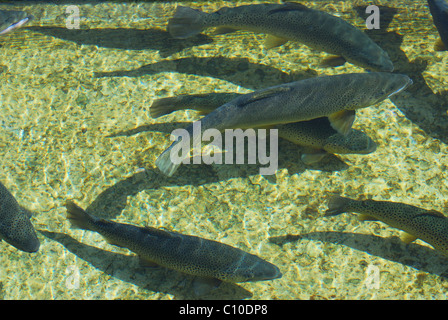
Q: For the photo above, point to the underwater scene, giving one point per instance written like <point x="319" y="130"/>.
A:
<point x="260" y="150"/>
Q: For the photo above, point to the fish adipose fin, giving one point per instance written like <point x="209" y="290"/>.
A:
<point x="273" y="41"/>
<point x="439" y="45"/>
<point x="186" y="22"/>
<point x="342" y="121"/>
<point x="333" y="61"/>
<point x="336" y="205"/>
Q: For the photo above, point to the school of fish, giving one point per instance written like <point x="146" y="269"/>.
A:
<point x="316" y="113"/>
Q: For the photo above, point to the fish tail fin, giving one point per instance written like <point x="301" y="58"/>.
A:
<point x="165" y="163"/>
<point x="337" y="205"/>
<point x="163" y="106"/>
<point x="78" y="217"/>
<point x="186" y="22"/>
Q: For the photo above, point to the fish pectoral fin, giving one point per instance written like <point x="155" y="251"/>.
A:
<point x="289" y="6"/>
<point x="273" y="41"/>
<point x="407" y="237"/>
<point x="203" y="286"/>
<point x="146" y="263"/>
<point x="439" y="45"/>
<point x="366" y="217"/>
<point x="313" y="157"/>
<point x="333" y="61"/>
<point x="342" y="121"/>
<point x="224" y="30"/>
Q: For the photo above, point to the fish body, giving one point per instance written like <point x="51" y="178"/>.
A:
<point x="188" y="254"/>
<point x="417" y="223"/>
<point x="439" y="12"/>
<point x="11" y="20"/>
<point x="317" y="135"/>
<point x="335" y="97"/>
<point x="15" y="225"/>
<point x="288" y="21"/>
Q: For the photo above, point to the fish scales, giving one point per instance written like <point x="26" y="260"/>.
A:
<point x="290" y="21"/>
<point x="428" y="225"/>
<point x="15" y="225"/>
<point x="308" y="99"/>
<point x="189" y="254"/>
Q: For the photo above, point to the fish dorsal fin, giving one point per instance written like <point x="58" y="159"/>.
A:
<point x="156" y="232"/>
<point x="266" y="94"/>
<point x="434" y="213"/>
<point x="273" y="41"/>
<point x="342" y="121"/>
<point x="289" y="6"/>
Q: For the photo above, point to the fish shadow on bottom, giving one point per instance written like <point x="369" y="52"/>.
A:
<point x="115" y="198"/>
<point x="393" y="249"/>
<point x="155" y="279"/>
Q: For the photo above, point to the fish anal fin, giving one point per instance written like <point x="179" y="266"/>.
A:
<point x="366" y="217"/>
<point x="313" y="157"/>
<point x="144" y="262"/>
<point x="407" y="237"/>
<point x="333" y="61"/>
<point x="439" y="45"/>
<point x="273" y="41"/>
<point x="224" y="30"/>
<point x="203" y="286"/>
<point x="342" y="121"/>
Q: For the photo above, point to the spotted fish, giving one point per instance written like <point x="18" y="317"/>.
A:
<point x="439" y="12"/>
<point x="288" y="21"/>
<point x="15" y="225"/>
<point x="317" y="135"/>
<point x="188" y="254"/>
<point x="336" y="97"/>
<point x="11" y="20"/>
<point x="428" y="225"/>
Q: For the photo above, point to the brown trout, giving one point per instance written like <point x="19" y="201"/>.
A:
<point x="188" y="254"/>
<point x="428" y="225"/>
<point x="316" y="135"/>
<point x="288" y="21"/>
<point x="439" y="12"/>
<point x="336" y="97"/>
<point x="11" y="20"/>
<point x="15" y="225"/>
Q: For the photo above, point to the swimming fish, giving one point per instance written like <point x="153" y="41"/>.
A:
<point x="439" y="12"/>
<point x="316" y="135"/>
<point x="336" y="97"/>
<point x="10" y="20"/>
<point x="15" y="225"/>
<point x="288" y="21"/>
<point x="428" y="225"/>
<point x="188" y="254"/>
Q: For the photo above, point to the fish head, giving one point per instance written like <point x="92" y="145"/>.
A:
<point x="261" y="271"/>
<point x="356" y="142"/>
<point x="20" y="234"/>
<point x="382" y="86"/>
<point x="11" y="20"/>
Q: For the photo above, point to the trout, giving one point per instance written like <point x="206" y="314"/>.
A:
<point x="288" y="21"/>
<point x="336" y="97"/>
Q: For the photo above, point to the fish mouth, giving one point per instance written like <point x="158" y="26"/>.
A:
<point x="16" y="25"/>
<point x="407" y="84"/>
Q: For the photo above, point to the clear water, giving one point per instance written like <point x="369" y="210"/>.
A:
<point x="75" y="124"/>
